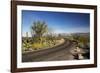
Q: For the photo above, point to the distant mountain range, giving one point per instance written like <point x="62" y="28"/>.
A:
<point x="69" y="34"/>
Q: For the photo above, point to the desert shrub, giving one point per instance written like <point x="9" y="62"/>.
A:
<point x="26" y="46"/>
<point x="36" y="46"/>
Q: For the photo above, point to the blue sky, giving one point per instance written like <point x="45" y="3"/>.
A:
<point x="59" y="22"/>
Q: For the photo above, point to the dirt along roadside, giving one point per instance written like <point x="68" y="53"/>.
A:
<point x="60" y="52"/>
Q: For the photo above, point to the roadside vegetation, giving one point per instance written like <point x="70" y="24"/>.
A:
<point x="82" y="50"/>
<point x="41" y="38"/>
<point x="82" y="41"/>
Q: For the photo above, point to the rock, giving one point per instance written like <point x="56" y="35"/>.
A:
<point x="80" y="56"/>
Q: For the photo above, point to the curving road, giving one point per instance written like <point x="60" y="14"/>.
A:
<point x="60" y="52"/>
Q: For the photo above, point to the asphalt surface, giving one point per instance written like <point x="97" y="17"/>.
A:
<point x="57" y="53"/>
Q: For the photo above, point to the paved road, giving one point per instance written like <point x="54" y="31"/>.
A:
<point x="61" y="52"/>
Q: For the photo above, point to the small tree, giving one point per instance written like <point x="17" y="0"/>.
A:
<point x="39" y="28"/>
